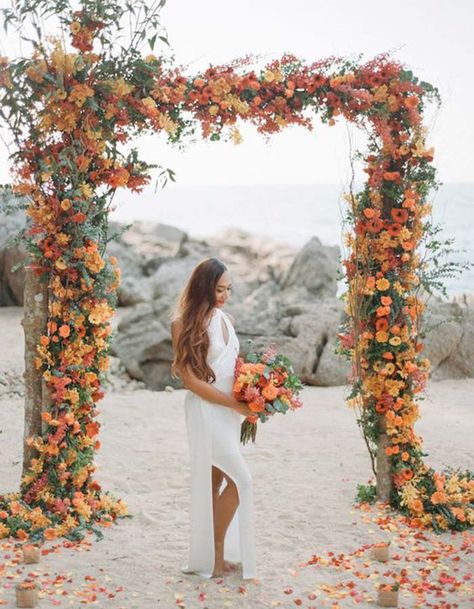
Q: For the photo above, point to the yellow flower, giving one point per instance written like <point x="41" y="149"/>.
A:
<point x="236" y="136"/>
<point x="60" y="264"/>
<point x="395" y="341"/>
<point x="86" y="190"/>
<point x="75" y="27"/>
<point x="120" y="87"/>
<point x="382" y="284"/>
<point x="66" y="204"/>
<point x="167" y="124"/>
<point x="380" y="94"/>
<point x="389" y="368"/>
<point x="269" y="76"/>
<point x="381" y="336"/>
<point x="63" y="239"/>
<point x="149" y="103"/>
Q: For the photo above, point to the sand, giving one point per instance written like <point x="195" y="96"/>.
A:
<point x="305" y="468"/>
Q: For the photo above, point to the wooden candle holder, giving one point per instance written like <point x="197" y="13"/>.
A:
<point x="26" y="594"/>
<point x="381" y="551"/>
<point x="387" y="597"/>
<point x="31" y="553"/>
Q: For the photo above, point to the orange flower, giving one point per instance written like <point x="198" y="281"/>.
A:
<point x="394" y="229"/>
<point x="399" y="214"/>
<point x="22" y="535"/>
<point x="411" y="101"/>
<point x="459" y="513"/>
<point x="92" y="429"/>
<point x="82" y="162"/>
<point x="50" y="534"/>
<point x="439" y="497"/>
<point x="369" y="212"/>
<point x="386" y="300"/>
<point x="374" y="226"/>
<point x="381" y="324"/>
<point x="64" y="331"/>
<point x="270" y="392"/>
<point x="417" y="505"/>
<point x="391" y="176"/>
<point x="405" y="456"/>
<point x="382" y="284"/>
<point x="387" y="355"/>
<point x="256" y="407"/>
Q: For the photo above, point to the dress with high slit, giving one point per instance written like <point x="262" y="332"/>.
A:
<point x="214" y="439"/>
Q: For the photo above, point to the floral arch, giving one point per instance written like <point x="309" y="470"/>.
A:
<point x="71" y="107"/>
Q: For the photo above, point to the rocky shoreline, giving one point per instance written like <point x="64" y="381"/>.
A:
<point x="281" y="295"/>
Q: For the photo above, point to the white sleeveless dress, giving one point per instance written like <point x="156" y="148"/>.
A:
<point x="214" y="439"/>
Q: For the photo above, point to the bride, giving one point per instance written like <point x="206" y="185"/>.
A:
<point x="205" y="348"/>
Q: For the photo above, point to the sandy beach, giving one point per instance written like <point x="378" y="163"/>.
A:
<point x="305" y="468"/>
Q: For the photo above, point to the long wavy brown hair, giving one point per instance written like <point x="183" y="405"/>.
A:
<point x="194" y="306"/>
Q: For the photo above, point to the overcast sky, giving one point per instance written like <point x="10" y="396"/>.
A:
<point x="433" y="37"/>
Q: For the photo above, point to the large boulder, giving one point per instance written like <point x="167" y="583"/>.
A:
<point x="134" y="286"/>
<point x="313" y="273"/>
<point x="143" y="344"/>
<point x="13" y="220"/>
<point x="449" y="340"/>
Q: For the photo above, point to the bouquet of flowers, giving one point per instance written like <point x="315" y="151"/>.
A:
<point x="267" y="382"/>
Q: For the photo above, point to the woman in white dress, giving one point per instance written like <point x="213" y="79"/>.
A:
<point x="205" y="349"/>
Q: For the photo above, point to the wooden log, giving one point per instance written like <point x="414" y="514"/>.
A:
<point x="384" y="476"/>
<point x="35" y="315"/>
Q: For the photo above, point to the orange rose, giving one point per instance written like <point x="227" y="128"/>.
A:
<point x="270" y="392"/>
<point x="256" y="407"/>
<point x="64" y="331"/>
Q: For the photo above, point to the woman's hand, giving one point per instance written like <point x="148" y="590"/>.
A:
<point x="243" y="408"/>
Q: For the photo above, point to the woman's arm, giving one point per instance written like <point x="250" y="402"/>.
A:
<point x="205" y="390"/>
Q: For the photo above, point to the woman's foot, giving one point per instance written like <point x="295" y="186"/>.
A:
<point x="229" y="566"/>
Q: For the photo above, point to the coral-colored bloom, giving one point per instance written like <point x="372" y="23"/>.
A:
<point x="64" y="331"/>
<point x="399" y="214"/>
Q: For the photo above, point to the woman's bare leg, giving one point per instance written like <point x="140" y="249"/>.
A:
<point x="225" y="506"/>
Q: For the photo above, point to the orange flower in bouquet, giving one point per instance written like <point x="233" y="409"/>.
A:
<point x="267" y="382"/>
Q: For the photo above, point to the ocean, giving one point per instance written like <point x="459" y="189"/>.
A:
<point x="291" y="213"/>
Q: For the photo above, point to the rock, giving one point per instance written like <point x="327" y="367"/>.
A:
<point x="449" y="341"/>
<point x="252" y="259"/>
<point x="143" y="344"/>
<point x="12" y="221"/>
<point x="149" y="239"/>
<point x="171" y="276"/>
<point x="313" y="273"/>
<point x="12" y="282"/>
<point x="314" y="330"/>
